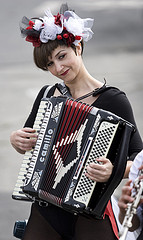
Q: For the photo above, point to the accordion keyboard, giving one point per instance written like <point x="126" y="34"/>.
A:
<point x="28" y="162"/>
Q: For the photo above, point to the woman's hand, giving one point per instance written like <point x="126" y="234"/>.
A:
<point x="23" y="139"/>
<point x="100" y="172"/>
<point x="141" y="178"/>
<point x="125" y="197"/>
<point x="141" y="168"/>
<point x="123" y="204"/>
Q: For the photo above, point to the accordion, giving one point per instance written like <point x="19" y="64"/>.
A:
<point x="71" y="135"/>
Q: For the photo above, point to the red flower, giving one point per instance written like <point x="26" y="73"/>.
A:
<point x="35" y="41"/>
<point x="58" y="19"/>
<point x="66" y="35"/>
<point x="77" y="38"/>
<point x="59" y="37"/>
<point x="31" y="23"/>
<point x="70" y="39"/>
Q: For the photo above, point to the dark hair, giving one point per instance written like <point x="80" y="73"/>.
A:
<point x="41" y="54"/>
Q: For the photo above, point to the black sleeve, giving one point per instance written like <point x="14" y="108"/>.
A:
<point x="116" y="102"/>
<point x="30" y="120"/>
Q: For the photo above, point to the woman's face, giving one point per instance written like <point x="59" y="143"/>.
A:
<point x="65" y="63"/>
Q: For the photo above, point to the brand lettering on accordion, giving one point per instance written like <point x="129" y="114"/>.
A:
<point x="71" y="136"/>
<point x="46" y="145"/>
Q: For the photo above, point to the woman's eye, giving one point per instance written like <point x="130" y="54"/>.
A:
<point x="49" y="64"/>
<point x="62" y="56"/>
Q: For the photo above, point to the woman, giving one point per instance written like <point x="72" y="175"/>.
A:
<point x="128" y="196"/>
<point x="58" y="45"/>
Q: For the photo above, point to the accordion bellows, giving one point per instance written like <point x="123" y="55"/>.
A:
<point x="70" y="136"/>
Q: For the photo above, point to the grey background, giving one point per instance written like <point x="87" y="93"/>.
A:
<point x="115" y="52"/>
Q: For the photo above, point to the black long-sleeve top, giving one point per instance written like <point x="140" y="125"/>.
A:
<point x="112" y="100"/>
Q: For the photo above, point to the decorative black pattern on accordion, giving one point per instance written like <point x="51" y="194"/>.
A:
<point x="70" y="136"/>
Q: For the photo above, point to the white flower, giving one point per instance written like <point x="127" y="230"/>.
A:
<point x="38" y="24"/>
<point x="50" y="29"/>
<point x="78" y="26"/>
<point x="48" y="32"/>
<point x="87" y="32"/>
<point x="73" y="26"/>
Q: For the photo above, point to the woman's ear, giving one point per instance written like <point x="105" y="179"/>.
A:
<point x="79" y="49"/>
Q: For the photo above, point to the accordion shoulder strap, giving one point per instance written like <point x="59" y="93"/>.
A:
<point x="47" y="91"/>
<point x="60" y="86"/>
<point x="63" y="89"/>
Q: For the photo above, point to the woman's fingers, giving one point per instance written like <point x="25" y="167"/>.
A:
<point x="101" y="171"/>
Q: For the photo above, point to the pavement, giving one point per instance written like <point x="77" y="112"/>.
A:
<point x="114" y="53"/>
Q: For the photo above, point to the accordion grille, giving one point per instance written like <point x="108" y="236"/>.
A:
<point x="100" y="147"/>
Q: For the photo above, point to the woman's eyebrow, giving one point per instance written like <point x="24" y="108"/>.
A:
<point x="50" y="59"/>
<point x="59" y="53"/>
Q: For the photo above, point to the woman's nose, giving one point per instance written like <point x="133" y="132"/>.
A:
<point x="59" y="67"/>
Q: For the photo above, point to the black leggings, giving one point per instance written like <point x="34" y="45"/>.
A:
<point x="52" y="223"/>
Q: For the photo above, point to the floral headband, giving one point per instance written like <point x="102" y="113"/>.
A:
<point x="67" y="27"/>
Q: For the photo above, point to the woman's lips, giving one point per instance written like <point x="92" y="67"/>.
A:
<point x="63" y="74"/>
